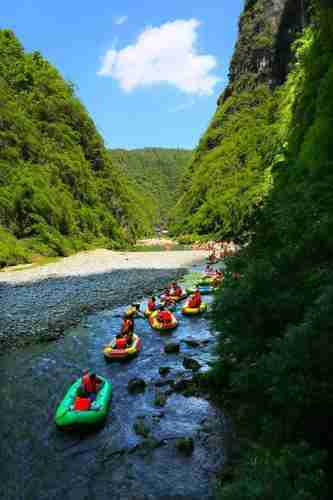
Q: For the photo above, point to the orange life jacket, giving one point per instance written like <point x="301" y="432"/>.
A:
<point x="165" y="316"/>
<point x="88" y="384"/>
<point x="195" y="301"/>
<point x="82" y="404"/>
<point x="121" y="343"/>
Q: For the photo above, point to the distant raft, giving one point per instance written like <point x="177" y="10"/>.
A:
<point x="204" y="290"/>
<point x="194" y="311"/>
<point x="111" y="352"/>
<point x="158" y="325"/>
<point x="67" y="417"/>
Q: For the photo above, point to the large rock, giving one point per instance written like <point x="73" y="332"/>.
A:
<point x="191" y="364"/>
<point x="172" y="348"/>
<point x="136" y="386"/>
<point x="185" y="446"/>
<point x="164" y="370"/>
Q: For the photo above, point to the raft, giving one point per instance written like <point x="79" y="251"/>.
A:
<point x="188" y="311"/>
<point x="66" y="417"/>
<point x="204" y="290"/>
<point x="156" y="324"/>
<point x="110" y="352"/>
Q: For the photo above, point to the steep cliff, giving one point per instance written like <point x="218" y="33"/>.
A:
<point x="238" y="147"/>
<point x="276" y="349"/>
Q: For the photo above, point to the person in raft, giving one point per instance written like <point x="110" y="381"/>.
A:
<point x="195" y="300"/>
<point x="121" y="341"/>
<point x="164" y="316"/>
<point x="152" y="306"/>
<point x="127" y="328"/>
<point x="176" y="290"/>
<point x="82" y="401"/>
<point x="91" y="384"/>
<point x="135" y="310"/>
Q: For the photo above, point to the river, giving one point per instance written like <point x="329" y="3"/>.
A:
<point x="40" y="462"/>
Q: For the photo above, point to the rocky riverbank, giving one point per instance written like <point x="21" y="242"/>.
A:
<point x="38" y="304"/>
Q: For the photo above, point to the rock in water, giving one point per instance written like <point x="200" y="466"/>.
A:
<point x="136" y="385"/>
<point x="191" y="364"/>
<point x="172" y="348"/>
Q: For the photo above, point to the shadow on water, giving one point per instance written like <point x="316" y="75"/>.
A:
<point x="39" y="462"/>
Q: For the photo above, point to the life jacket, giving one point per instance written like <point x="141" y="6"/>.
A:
<point x="151" y="306"/>
<point x="194" y="302"/>
<point x="165" y="316"/>
<point x="82" y="404"/>
<point x="121" y="343"/>
<point x="88" y="384"/>
<point x="178" y="291"/>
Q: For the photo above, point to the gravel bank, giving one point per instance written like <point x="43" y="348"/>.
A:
<point x="38" y="304"/>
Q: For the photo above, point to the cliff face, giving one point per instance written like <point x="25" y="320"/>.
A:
<point x="235" y="156"/>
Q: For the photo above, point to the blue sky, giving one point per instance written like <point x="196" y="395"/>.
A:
<point x="148" y="72"/>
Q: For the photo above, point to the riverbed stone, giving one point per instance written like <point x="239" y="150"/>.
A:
<point x="185" y="446"/>
<point x="172" y="348"/>
<point x="191" y="364"/>
<point x="141" y="428"/>
<point x="136" y="386"/>
<point x="164" y="370"/>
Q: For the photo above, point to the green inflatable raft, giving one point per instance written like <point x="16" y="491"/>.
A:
<point x="67" y="417"/>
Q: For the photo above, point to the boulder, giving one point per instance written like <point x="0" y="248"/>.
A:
<point x="172" y="348"/>
<point x="191" y="364"/>
<point x="136" y="385"/>
<point x="185" y="446"/>
<point x="164" y="371"/>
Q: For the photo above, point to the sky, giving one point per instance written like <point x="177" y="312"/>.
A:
<point x="149" y="72"/>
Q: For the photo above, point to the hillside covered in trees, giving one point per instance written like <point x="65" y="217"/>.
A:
<point x="157" y="173"/>
<point x="269" y="150"/>
<point x="59" y="190"/>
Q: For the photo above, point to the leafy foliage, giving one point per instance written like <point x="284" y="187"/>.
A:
<point x="59" y="190"/>
<point x="157" y="173"/>
<point x="276" y="322"/>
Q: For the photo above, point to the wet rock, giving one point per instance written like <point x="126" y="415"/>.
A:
<point x="206" y="341"/>
<point x="160" y="398"/>
<point x="185" y="446"/>
<point x="136" y="385"/>
<point x="191" y="364"/>
<point x="191" y="342"/>
<point x="164" y="370"/>
<point x="141" y="427"/>
<point x="172" y="348"/>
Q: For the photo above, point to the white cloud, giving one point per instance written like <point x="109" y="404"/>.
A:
<point x="120" y="20"/>
<point x="166" y="54"/>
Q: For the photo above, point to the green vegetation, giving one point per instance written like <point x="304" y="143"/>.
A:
<point x="59" y="191"/>
<point x="275" y="368"/>
<point x="157" y="174"/>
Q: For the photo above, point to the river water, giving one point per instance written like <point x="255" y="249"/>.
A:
<point x="40" y="462"/>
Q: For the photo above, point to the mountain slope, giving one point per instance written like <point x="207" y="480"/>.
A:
<point x="157" y="172"/>
<point x="229" y="177"/>
<point x="275" y="322"/>
<point x="59" y="191"/>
